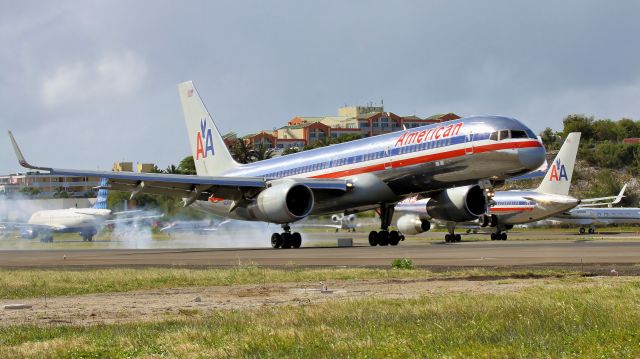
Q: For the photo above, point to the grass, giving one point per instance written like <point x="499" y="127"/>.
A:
<point x="19" y="283"/>
<point x="591" y="322"/>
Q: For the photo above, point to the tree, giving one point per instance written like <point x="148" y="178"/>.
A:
<point x="606" y="130"/>
<point x="30" y="191"/>
<point x="290" y="150"/>
<point x="172" y="169"/>
<point x="578" y="123"/>
<point x="549" y="139"/>
<point x="187" y="166"/>
<point x="629" y="128"/>
<point x="260" y="153"/>
<point x="240" y="151"/>
<point x="61" y="192"/>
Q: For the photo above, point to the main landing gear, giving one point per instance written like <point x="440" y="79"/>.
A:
<point x="592" y="230"/>
<point x="385" y="237"/>
<point x="452" y="237"/>
<point x="286" y="239"/>
<point x="499" y="236"/>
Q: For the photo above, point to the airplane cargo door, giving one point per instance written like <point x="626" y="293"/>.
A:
<point x="468" y="143"/>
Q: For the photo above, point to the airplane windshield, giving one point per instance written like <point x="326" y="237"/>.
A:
<point x="507" y="134"/>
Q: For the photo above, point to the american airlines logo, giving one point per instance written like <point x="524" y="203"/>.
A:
<point x="203" y="150"/>
<point x="437" y="133"/>
<point x="558" y="172"/>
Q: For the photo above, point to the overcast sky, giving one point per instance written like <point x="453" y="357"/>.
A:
<point x="87" y="83"/>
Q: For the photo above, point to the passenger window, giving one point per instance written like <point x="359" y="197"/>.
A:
<point x="518" y="134"/>
<point x="504" y="134"/>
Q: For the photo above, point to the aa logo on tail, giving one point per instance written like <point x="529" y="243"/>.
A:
<point x="558" y="172"/>
<point x="204" y="135"/>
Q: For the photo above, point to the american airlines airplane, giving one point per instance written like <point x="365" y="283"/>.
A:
<point x="509" y="207"/>
<point x="375" y="172"/>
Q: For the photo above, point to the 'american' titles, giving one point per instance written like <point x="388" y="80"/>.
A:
<point x="409" y="138"/>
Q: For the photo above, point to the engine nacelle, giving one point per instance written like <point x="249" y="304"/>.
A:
<point x="412" y="224"/>
<point x="283" y="202"/>
<point x="458" y="204"/>
<point x="336" y="219"/>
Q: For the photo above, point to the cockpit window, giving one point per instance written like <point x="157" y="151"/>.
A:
<point x="518" y="134"/>
<point x="494" y="136"/>
<point x="504" y="134"/>
<point x="531" y="134"/>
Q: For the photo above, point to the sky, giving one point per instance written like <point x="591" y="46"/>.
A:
<point x="84" y="84"/>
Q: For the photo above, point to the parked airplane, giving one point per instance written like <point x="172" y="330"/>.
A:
<point x="203" y="226"/>
<point x="509" y="207"/>
<point x="375" y="172"/>
<point x="590" y="216"/>
<point x="73" y="220"/>
<point x="345" y="222"/>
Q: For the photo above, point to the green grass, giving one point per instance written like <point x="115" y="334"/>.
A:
<point x="591" y="322"/>
<point x="19" y="283"/>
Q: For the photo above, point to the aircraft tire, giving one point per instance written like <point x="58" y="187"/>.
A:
<point x="447" y="238"/>
<point x="276" y="240"/>
<point x="383" y="238"/>
<point x="503" y="236"/>
<point x="592" y="231"/>
<point x="373" y="238"/>
<point x="394" y="238"/>
<point x="581" y="230"/>
<point x="493" y="236"/>
<point x="296" y="240"/>
<point x="286" y="240"/>
<point x="458" y="238"/>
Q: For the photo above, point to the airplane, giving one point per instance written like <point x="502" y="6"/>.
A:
<point x="194" y="226"/>
<point x="375" y="172"/>
<point x="590" y="216"/>
<point x="85" y="221"/>
<point x="509" y="207"/>
<point x="346" y="222"/>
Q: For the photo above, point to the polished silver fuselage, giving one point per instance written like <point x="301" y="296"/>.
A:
<point x="391" y="167"/>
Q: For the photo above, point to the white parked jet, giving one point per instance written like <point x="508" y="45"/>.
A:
<point x="374" y="172"/>
<point x="509" y="207"/>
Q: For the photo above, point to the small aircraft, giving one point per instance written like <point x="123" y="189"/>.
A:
<point x="476" y="152"/>
<point x="345" y="222"/>
<point x="203" y="226"/>
<point x="589" y="215"/>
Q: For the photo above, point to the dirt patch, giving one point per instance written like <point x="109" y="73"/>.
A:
<point x="156" y="305"/>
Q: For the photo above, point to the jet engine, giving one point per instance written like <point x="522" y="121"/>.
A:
<point x="458" y="204"/>
<point x="412" y="224"/>
<point x="283" y="202"/>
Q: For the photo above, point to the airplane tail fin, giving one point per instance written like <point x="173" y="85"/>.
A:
<point x="209" y="151"/>
<point x="101" y="200"/>
<point x="559" y="174"/>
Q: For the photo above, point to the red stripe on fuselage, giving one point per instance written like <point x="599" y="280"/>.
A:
<point x="429" y="158"/>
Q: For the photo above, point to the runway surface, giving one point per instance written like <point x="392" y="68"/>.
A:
<point x="423" y="253"/>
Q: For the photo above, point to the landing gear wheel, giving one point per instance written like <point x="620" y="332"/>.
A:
<point x="394" y="238"/>
<point x="383" y="238"/>
<point x="286" y="240"/>
<point x="373" y="238"/>
<point x="592" y="230"/>
<point x="458" y="238"/>
<point x="447" y="238"/>
<point x="582" y="230"/>
<point x="276" y="240"/>
<point x="296" y="240"/>
<point x="493" y="236"/>
<point x="503" y="236"/>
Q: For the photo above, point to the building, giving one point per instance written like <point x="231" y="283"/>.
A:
<point x="355" y="120"/>
<point x="44" y="185"/>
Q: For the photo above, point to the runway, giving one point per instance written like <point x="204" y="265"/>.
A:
<point x="422" y="253"/>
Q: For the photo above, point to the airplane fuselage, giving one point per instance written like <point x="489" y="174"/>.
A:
<point x="69" y="220"/>
<point x="590" y="216"/>
<point x="388" y="168"/>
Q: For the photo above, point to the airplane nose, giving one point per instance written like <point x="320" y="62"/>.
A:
<point x="532" y="158"/>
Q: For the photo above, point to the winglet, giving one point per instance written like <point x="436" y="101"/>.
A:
<point x="23" y="162"/>
<point x="620" y="195"/>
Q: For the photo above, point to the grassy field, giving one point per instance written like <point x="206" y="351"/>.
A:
<point x="15" y="284"/>
<point x="591" y="322"/>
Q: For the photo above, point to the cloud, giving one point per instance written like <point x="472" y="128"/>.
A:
<point x="113" y="75"/>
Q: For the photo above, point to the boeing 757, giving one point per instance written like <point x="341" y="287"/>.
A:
<point x="374" y="172"/>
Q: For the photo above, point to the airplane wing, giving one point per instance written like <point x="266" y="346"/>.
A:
<point x="593" y="202"/>
<point x="186" y="186"/>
